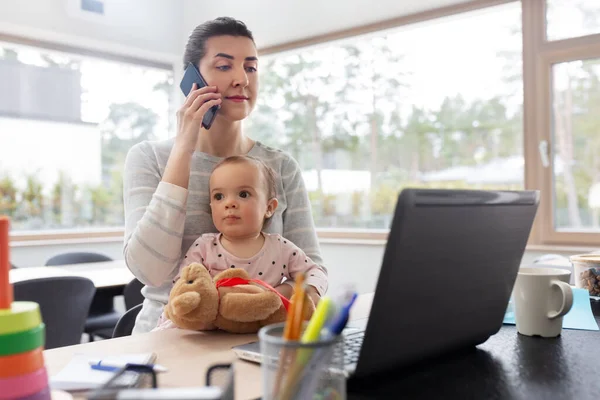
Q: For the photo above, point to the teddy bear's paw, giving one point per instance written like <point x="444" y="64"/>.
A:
<point x="185" y="303"/>
<point x="248" y="307"/>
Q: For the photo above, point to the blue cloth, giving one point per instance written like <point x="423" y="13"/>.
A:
<point x="579" y="317"/>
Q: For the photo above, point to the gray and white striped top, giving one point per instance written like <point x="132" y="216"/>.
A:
<point x="162" y="220"/>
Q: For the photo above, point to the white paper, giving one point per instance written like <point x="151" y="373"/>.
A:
<point x="79" y="375"/>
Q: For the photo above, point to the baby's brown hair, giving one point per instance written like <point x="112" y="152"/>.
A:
<point x="268" y="174"/>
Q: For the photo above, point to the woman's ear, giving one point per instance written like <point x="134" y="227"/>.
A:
<point x="271" y="207"/>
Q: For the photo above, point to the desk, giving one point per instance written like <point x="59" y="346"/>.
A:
<point x="104" y="274"/>
<point x="187" y="354"/>
<point x="507" y="366"/>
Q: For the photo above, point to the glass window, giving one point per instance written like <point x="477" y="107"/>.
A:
<point x="66" y="124"/>
<point x="572" y="18"/>
<point x="437" y="104"/>
<point x="576" y="141"/>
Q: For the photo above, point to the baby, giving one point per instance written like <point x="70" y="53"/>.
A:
<point x="242" y="199"/>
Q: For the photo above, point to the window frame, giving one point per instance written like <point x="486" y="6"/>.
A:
<point x="538" y="56"/>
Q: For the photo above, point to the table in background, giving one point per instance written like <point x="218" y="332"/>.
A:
<point x="105" y="274"/>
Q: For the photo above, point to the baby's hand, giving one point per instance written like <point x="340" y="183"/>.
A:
<point x="313" y="294"/>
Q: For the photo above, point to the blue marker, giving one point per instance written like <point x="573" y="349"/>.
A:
<point x="338" y="323"/>
<point x="109" y="366"/>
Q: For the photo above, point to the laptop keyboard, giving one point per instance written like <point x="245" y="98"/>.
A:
<point x="352" y="344"/>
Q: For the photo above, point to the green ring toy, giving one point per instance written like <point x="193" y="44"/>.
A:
<point x="21" y="342"/>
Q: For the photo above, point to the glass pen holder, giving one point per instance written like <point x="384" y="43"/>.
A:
<point x="292" y="370"/>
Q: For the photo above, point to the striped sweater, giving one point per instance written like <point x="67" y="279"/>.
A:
<point x="162" y="220"/>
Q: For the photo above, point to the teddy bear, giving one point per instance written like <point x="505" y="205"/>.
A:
<point x="230" y="301"/>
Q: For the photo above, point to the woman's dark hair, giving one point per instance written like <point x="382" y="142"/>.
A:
<point x="222" y="26"/>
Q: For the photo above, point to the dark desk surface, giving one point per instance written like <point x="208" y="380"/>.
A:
<point x="506" y="366"/>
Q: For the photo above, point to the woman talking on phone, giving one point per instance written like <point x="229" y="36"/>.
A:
<point x="166" y="182"/>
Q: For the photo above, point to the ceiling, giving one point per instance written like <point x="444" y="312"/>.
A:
<point x="275" y="22"/>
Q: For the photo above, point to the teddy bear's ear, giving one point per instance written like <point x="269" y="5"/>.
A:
<point x="195" y="271"/>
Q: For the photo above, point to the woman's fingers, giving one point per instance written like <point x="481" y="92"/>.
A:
<point x="201" y="99"/>
<point x="205" y="107"/>
<point x="194" y="93"/>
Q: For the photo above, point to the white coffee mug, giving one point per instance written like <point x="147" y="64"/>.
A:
<point x="542" y="297"/>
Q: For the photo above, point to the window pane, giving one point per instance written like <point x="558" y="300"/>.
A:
<point x="572" y="18"/>
<point x="437" y="104"/>
<point x="576" y="138"/>
<point x="66" y="124"/>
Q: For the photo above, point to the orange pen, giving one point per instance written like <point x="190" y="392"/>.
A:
<point x="300" y="297"/>
<point x="291" y="330"/>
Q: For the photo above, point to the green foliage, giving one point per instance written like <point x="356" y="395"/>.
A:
<point x="126" y="125"/>
<point x="8" y="196"/>
<point x="33" y="198"/>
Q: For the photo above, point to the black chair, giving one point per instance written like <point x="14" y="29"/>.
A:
<point x="102" y="316"/>
<point x="133" y="294"/>
<point x="64" y="304"/>
<point x="127" y="322"/>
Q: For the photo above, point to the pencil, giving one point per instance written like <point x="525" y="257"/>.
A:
<point x="312" y="334"/>
<point x="299" y="308"/>
<point x="290" y="330"/>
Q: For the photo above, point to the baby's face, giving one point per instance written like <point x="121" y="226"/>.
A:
<point x="238" y="200"/>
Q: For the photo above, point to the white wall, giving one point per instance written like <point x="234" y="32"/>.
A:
<point x="150" y="27"/>
<point x="275" y="21"/>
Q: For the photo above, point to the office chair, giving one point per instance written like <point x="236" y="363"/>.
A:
<point x="127" y="322"/>
<point x="102" y="316"/>
<point x="133" y="294"/>
<point x="64" y="304"/>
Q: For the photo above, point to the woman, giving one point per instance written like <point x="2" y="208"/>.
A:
<point x="166" y="183"/>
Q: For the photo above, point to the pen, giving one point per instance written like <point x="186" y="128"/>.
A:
<point x="299" y="308"/>
<point x="114" y="366"/>
<point x="311" y="334"/>
<point x="333" y="328"/>
<point x="291" y="330"/>
<point x="339" y="322"/>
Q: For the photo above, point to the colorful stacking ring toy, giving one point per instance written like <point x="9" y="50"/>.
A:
<point x="23" y="385"/>
<point x="22" y="372"/>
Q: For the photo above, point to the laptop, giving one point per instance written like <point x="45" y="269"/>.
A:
<point x="449" y="266"/>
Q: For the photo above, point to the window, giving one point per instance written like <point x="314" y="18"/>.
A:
<point x="564" y="81"/>
<point x="576" y="138"/>
<point x="435" y="104"/>
<point x="66" y="124"/>
<point x="572" y="18"/>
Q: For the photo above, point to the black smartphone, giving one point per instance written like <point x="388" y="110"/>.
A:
<point x="191" y="76"/>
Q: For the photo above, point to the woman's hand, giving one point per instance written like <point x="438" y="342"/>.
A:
<point x="191" y="113"/>
<point x="189" y="120"/>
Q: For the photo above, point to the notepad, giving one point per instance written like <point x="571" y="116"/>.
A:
<point x="78" y="375"/>
<point x="579" y="317"/>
